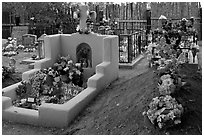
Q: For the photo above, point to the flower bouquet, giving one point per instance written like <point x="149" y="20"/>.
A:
<point x="164" y="111"/>
<point x="167" y="86"/>
<point x="56" y="84"/>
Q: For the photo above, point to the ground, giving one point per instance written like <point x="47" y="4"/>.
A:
<point x="20" y="68"/>
<point x="118" y="108"/>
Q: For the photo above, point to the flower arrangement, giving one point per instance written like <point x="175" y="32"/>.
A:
<point x="10" y="53"/>
<point x="123" y="58"/>
<point x="11" y="47"/>
<point x="6" y="71"/>
<point x="56" y="84"/>
<point x="29" y="50"/>
<point x="22" y="89"/>
<point x="164" y="111"/>
<point x="167" y="86"/>
<point x="87" y="31"/>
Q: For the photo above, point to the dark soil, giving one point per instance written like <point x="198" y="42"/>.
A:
<point x="118" y="108"/>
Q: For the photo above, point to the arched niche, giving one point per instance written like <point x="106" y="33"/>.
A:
<point x="84" y="55"/>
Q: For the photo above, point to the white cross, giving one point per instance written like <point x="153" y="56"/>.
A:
<point x="84" y="14"/>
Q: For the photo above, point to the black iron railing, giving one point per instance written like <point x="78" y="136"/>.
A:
<point x="130" y="46"/>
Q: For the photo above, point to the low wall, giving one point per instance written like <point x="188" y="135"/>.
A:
<point x="60" y="115"/>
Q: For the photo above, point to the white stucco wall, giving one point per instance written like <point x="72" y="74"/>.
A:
<point x="104" y="63"/>
<point x="69" y="44"/>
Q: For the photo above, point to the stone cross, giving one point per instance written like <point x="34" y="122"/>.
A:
<point x="84" y="14"/>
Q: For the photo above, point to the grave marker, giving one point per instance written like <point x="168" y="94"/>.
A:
<point x="18" y="32"/>
<point x="29" y="40"/>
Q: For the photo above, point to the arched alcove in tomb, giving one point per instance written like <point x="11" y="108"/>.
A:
<point x="84" y="55"/>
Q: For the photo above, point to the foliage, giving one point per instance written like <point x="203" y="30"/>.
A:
<point x="164" y="111"/>
<point x="21" y="90"/>
<point x="56" y="84"/>
<point x="6" y="71"/>
<point x="45" y="16"/>
<point x="166" y="87"/>
<point x="29" y="50"/>
<point x="10" y="48"/>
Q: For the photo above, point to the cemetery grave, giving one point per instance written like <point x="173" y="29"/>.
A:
<point x="97" y="67"/>
<point x="73" y="86"/>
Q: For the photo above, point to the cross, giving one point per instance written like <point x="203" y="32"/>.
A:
<point x="84" y="14"/>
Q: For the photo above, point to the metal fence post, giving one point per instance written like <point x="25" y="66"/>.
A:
<point x="200" y="39"/>
<point x="119" y="46"/>
<point x="148" y="17"/>
<point x="129" y="49"/>
<point x="139" y="43"/>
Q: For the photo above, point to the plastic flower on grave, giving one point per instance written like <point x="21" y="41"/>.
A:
<point x="9" y="46"/>
<point x="63" y="64"/>
<point x="21" y="47"/>
<point x="21" y="90"/>
<point x="167" y="87"/>
<point x="66" y="69"/>
<point x="56" y="65"/>
<point x="36" y="81"/>
<point x="6" y="71"/>
<point x="71" y="75"/>
<point x="60" y="67"/>
<point x="78" y="65"/>
<point x="75" y="92"/>
<point x="57" y="79"/>
<point x="70" y="62"/>
<point x="167" y="82"/>
<point x="78" y="72"/>
<point x="50" y="73"/>
<point x="165" y="111"/>
<point x="164" y="77"/>
<point x="77" y="28"/>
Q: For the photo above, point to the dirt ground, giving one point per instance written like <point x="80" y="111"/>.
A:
<point x="117" y="110"/>
<point x="20" y="68"/>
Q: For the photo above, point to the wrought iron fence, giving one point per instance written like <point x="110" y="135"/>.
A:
<point x="130" y="46"/>
<point x="132" y="37"/>
<point x="6" y="30"/>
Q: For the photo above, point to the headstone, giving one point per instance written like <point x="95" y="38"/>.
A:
<point x="29" y="40"/>
<point x="18" y="32"/>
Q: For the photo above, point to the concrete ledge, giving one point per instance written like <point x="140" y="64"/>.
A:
<point x="31" y="66"/>
<point x="10" y="91"/>
<point x="28" y="61"/>
<point x="78" y="103"/>
<point x="100" y="68"/>
<point x="26" y="75"/>
<point x="55" y="115"/>
<point x="131" y="65"/>
<point x="94" y="80"/>
<point x="21" y="115"/>
<point x="43" y="63"/>
<point x="6" y="102"/>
